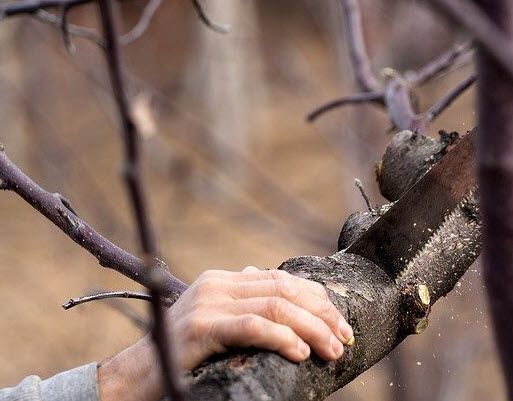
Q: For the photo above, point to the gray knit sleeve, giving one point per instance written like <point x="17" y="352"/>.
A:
<point x="79" y="384"/>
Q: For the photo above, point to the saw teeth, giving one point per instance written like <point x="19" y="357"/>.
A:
<point x="447" y="220"/>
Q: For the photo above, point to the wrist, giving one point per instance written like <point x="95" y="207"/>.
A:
<point x="131" y="375"/>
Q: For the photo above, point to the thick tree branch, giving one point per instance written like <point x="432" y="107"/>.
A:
<point x="132" y="175"/>
<point x="108" y="254"/>
<point x="381" y="312"/>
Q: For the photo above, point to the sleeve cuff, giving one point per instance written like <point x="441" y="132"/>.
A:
<point x="79" y="384"/>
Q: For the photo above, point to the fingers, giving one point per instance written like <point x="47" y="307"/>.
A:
<point x="255" y="331"/>
<point x="305" y="294"/>
<point x="310" y="328"/>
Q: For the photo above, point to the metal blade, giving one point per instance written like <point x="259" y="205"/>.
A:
<point x="395" y="238"/>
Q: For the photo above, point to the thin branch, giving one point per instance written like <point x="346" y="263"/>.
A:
<point x="365" y="78"/>
<point x="106" y="295"/>
<point x="32" y="6"/>
<point x="435" y="110"/>
<point x="481" y="27"/>
<point x="440" y="64"/>
<point x="224" y="29"/>
<point x="359" y="185"/>
<point x="132" y="176"/>
<point x="365" y="97"/>
<point x="142" y="25"/>
<point x="59" y="213"/>
<point x="75" y="30"/>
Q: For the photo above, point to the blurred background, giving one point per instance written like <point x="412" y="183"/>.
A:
<point x="235" y="174"/>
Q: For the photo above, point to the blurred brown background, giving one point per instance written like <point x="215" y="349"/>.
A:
<point x="236" y="176"/>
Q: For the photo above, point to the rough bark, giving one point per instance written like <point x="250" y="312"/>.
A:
<point x="383" y="312"/>
<point x="495" y="168"/>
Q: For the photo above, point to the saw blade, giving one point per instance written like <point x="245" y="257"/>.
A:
<point x="394" y="239"/>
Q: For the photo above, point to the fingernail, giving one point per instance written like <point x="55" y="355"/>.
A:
<point x="304" y="349"/>
<point x="345" y="330"/>
<point x="337" y="347"/>
<point x="351" y="342"/>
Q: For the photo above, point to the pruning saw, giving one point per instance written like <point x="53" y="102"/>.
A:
<point x="396" y="237"/>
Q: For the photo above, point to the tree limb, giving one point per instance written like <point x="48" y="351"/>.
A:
<point x="440" y="64"/>
<point x="470" y="16"/>
<point x="435" y="110"/>
<point x="365" y="78"/>
<point x="108" y="254"/>
<point x="365" y="97"/>
<point x="381" y="312"/>
<point x="132" y="175"/>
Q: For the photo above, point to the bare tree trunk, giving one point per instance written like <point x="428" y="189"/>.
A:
<point x="229" y="83"/>
<point x="496" y="182"/>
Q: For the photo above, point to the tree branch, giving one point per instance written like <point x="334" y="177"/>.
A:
<point x="382" y="313"/>
<point x="365" y="78"/>
<point x="107" y="295"/>
<point x="142" y="25"/>
<point x="365" y="97"/>
<point x="133" y="180"/>
<point x="75" y="30"/>
<point x="108" y="254"/>
<point x="435" y="110"/>
<point x="439" y="65"/>
<point x="207" y="21"/>
<point x="493" y="39"/>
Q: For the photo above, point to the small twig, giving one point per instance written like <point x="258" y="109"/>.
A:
<point x="142" y="25"/>
<point x="365" y="97"/>
<point x="440" y="64"/>
<point x="365" y="78"/>
<point x="75" y="30"/>
<point x="435" y="110"/>
<point x="224" y="29"/>
<point x="132" y="176"/>
<point x="106" y="295"/>
<point x="359" y="185"/>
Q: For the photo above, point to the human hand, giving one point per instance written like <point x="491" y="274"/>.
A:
<point x="266" y="309"/>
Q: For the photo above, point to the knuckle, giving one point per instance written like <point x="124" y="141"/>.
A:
<point x="288" y="289"/>
<point x="320" y="290"/>
<point x="276" y="308"/>
<point x="208" y="285"/>
<point x="252" y="325"/>
<point x="278" y="274"/>
<point x="208" y="274"/>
